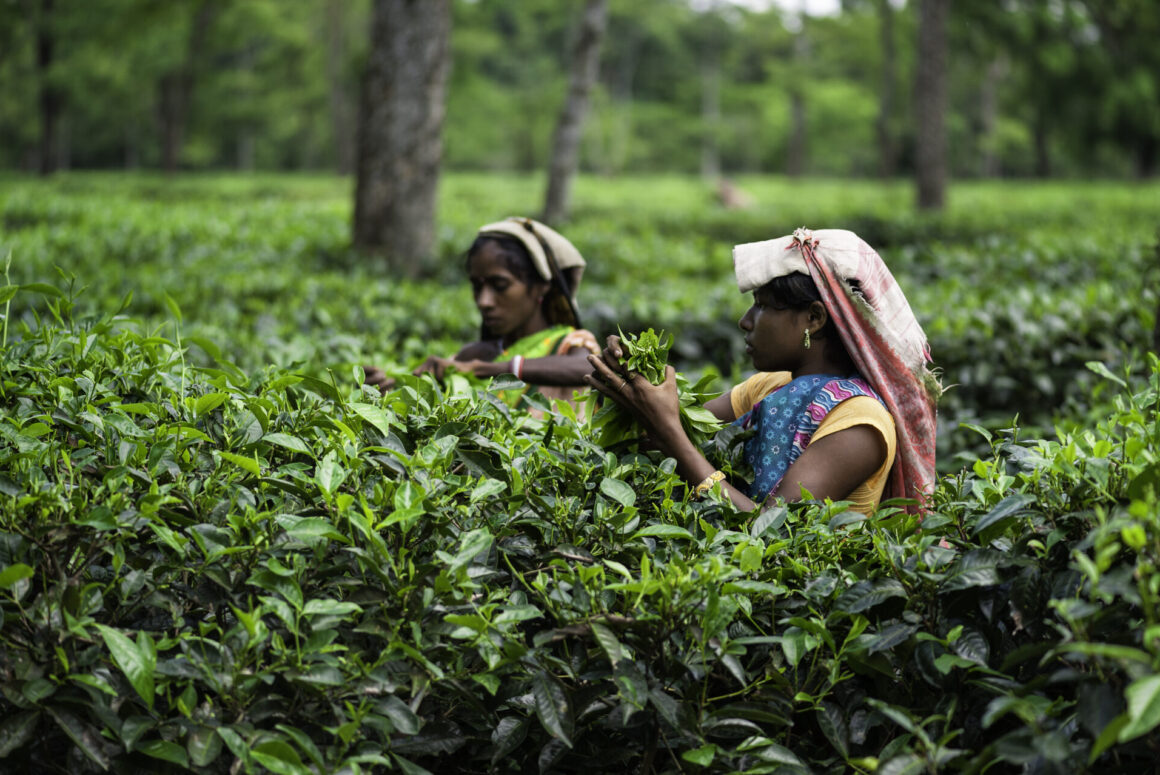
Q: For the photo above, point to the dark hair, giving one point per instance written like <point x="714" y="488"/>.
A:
<point x="797" y="291"/>
<point x="791" y="291"/>
<point x="517" y="260"/>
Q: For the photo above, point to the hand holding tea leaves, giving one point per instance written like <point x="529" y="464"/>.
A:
<point x="647" y="395"/>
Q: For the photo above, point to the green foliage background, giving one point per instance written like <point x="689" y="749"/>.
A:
<point x="274" y="85"/>
<point x="219" y="552"/>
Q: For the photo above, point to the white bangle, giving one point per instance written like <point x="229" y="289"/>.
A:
<point x="518" y="366"/>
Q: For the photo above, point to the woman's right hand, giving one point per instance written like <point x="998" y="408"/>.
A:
<point x="656" y="406"/>
<point x="436" y="366"/>
<point x="376" y="377"/>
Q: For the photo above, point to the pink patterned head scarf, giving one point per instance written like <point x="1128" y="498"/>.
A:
<point x="877" y="327"/>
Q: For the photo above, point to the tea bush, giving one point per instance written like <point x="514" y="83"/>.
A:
<point x="1018" y="285"/>
<point x="216" y="569"/>
<point x="219" y="552"/>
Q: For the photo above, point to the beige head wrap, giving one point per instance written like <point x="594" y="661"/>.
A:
<point x="534" y="236"/>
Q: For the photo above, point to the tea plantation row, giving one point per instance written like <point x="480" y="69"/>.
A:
<point x="212" y="570"/>
<point x="1018" y="285"/>
<point x="219" y="553"/>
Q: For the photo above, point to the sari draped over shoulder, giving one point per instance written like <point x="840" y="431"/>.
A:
<point x="784" y="423"/>
<point x="878" y="329"/>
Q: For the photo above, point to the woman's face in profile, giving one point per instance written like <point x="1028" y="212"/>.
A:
<point x="506" y="303"/>
<point x="773" y="337"/>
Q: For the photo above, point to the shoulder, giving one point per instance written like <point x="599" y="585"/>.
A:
<point x="744" y="395"/>
<point x="860" y="411"/>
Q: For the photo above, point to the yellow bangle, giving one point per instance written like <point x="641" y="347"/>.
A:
<point x="707" y="484"/>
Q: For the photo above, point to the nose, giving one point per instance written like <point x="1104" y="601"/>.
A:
<point x="746" y="322"/>
<point x="484" y="299"/>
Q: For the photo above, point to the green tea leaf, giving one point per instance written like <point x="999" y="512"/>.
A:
<point x="292" y="443"/>
<point x="663" y="531"/>
<point x="165" y="750"/>
<point x="552" y="707"/>
<point x="14" y="573"/>
<point x="248" y="464"/>
<point x="618" y="491"/>
<point x="1143" y="697"/>
<point x="133" y="661"/>
<point x="17" y="729"/>
<point x="374" y="415"/>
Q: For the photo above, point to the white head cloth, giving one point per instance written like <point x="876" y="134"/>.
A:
<point x="848" y="257"/>
<point x="526" y="231"/>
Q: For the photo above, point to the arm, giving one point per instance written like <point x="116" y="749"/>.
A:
<point x="722" y="407"/>
<point x="564" y="370"/>
<point x="833" y="466"/>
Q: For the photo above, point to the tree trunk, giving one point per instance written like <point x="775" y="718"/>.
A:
<point x="1040" y="140"/>
<point x="795" y="154"/>
<point x="795" y="161"/>
<point x="176" y="89"/>
<point x="887" y="147"/>
<point x="246" y="140"/>
<point x="566" y="141"/>
<point x="341" y="107"/>
<point x="616" y="152"/>
<point x="989" y="118"/>
<point x="1146" y="157"/>
<point x="931" y="104"/>
<point x="51" y="102"/>
<point x="710" y="115"/>
<point x="400" y="130"/>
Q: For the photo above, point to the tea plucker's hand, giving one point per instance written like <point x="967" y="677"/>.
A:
<point x="376" y="377"/>
<point x="657" y="407"/>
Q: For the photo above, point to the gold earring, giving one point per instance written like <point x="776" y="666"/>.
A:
<point x="806" y="339"/>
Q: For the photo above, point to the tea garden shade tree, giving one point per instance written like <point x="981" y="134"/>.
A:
<point x="931" y="104"/>
<point x="400" y="130"/>
<point x="566" y="140"/>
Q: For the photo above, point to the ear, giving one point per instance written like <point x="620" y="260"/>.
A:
<point x="817" y="315"/>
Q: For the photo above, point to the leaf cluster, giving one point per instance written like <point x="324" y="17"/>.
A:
<point x="647" y="355"/>
<point x="214" y="570"/>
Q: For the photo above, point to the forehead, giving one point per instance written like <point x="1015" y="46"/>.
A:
<point x="489" y="261"/>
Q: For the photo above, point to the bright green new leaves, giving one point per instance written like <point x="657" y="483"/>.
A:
<point x="226" y="553"/>
<point x="647" y="354"/>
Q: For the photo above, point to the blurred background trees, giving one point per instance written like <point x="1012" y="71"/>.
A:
<point x="1034" y="87"/>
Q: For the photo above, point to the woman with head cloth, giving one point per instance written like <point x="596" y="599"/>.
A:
<point x="523" y="277"/>
<point x="843" y="404"/>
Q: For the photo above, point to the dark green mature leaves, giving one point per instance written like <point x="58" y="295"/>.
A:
<point x="320" y="578"/>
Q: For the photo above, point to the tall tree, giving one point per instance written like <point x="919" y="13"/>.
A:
<point x="51" y="102"/>
<point x="566" y="141"/>
<point x="176" y="87"/>
<point x="400" y="130"/>
<point x="1128" y="33"/>
<point x="341" y="103"/>
<point x="884" y="124"/>
<point x="796" y="145"/>
<point x="931" y="104"/>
